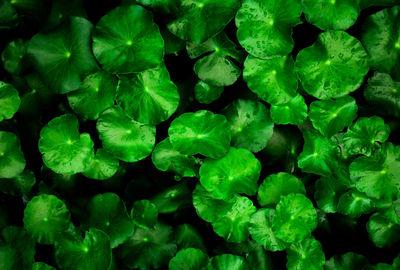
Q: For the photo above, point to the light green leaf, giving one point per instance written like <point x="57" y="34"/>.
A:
<point x="307" y="254"/>
<point x="12" y="160"/>
<point x="347" y="261"/>
<point x="294" y="112"/>
<point x="327" y="193"/>
<point x="102" y="166"/>
<point x="144" y="213"/>
<point x="384" y="228"/>
<point x="354" y="204"/>
<point x="206" y="93"/>
<point x="188" y="259"/>
<point x="9" y="101"/>
<point x="228" y="262"/>
<point x="172" y="198"/>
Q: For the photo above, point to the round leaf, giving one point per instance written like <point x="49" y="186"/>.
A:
<point x="251" y="126"/>
<point x="265" y="27"/>
<point x="102" y="166"/>
<point x="19" y="185"/>
<point x="327" y="193"/>
<point x="190" y="259"/>
<point x="228" y="261"/>
<point x="334" y="66"/>
<point x="108" y="213"/>
<point x="144" y="213"/>
<point x="202" y="133"/>
<point x="273" y="80"/>
<point x="237" y="172"/>
<point x="20" y="241"/>
<point x="123" y="137"/>
<point x="46" y="217"/>
<point x="13" y="57"/>
<point x="354" y="204"/>
<point x="277" y="185"/>
<point x="198" y="20"/>
<point x="307" y="254"/>
<point x="206" y="93"/>
<point x="64" y="150"/>
<point x="171" y="199"/>
<point x="295" y="218"/>
<point x="294" y="112"/>
<point x="94" y="95"/>
<point x="9" y="101"/>
<point x="12" y="161"/>
<point x="332" y="116"/>
<point x="347" y="261"/>
<point x="149" y="97"/>
<point x="384" y="228"/>
<point x="127" y="40"/>
<point x="261" y="231"/>
<point x="63" y="57"/>
<point x="331" y="14"/>
<point x="91" y="253"/>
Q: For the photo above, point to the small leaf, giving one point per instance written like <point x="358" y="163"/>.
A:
<point x="307" y="254"/>
<point x="228" y="261"/>
<point x="294" y="112"/>
<point x="384" y="228"/>
<point x="190" y="258"/>
<point x="12" y="160"/>
<point x="13" y="57"/>
<point x="206" y="93"/>
<point x="347" y="261"/>
<point x="354" y="204"/>
<point x="144" y="213"/>
<point x="102" y="166"/>
<point x="9" y="101"/>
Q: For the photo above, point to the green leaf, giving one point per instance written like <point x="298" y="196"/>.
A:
<point x="251" y="126"/>
<point x="64" y="150"/>
<point x="363" y="136"/>
<point x="294" y="112"/>
<point x="332" y="116"/>
<point x="19" y="185"/>
<point x="319" y="154"/>
<point x="42" y="266"/>
<point x="199" y="20"/>
<point x="148" y="249"/>
<point x="218" y="65"/>
<point x="206" y="93"/>
<point x="261" y="231"/>
<point x="108" y="213"/>
<point x="63" y="57"/>
<point x="9" y="101"/>
<point x="173" y="45"/>
<point x="384" y="228"/>
<point x="188" y="259"/>
<point x="171" y="199"/>
<point x="145" y="214"/>
<point x="102" y="166"/>
<point x="12" y="160"/>
<point x="331" y="14"/>
<point x="20" y="241"/>
<point x="187" y="236"/>
<point x="166" y="158"/>
<point x="127" y="40"/>
<point x="9" y="259"/>
<point x="228" y="262"/>
<point x="273" y="80"/>
<point x="202" y="132"/>
<point x="378" y="175"/>
<point x="334" y="66"/>
<point x="163" y="6"/>
<point x="8" y="17"/>
<point x="277" y="185"/>
<point x="207" y="207"/>
<point x="95" y="94"/>
<point x="381" y="39"/>
<point x="123" y="137"/>
<point x="90" y="253"/>
<point x="347" y="261"/>
<point x="237" y="172"/>
<point x="295" y="218"/>
<point x="13" y="57"/>
<point x="327" y="193"/>
<point x="46" y="217"/>
<point x="233" y="224"/>
<point x="149" y="97"/>
<point x="307" y="254"/>
<point x="355" y="204"/>
<point x="383" y="93"/>
<point x="265" y="27"/>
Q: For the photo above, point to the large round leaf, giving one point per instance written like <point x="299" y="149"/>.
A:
<point x="149" y="97"/>
<point x="295" y="218"/>
<point x="307" y="254"/>
<point x="378" y="175"/>
<point x="127" y="40"/>
<point x="332" y="116"/>
<point x="108" y="213"/>
<point x="46" y="217"/>
<point x="198" y="20"/>
<point x="218" y="67"/>
<point x="265" y="26"/>
<point x="91" y="253"/>
<point x="166" y="158"/>
<point x="261" y="231"/>
<point x="277" y="185"/>
<point x="12" y="161"/>
<point x="381" y="39"/>
<point x="294" y="112"/>
<point x="96" y="94"/>
<point x="334" y="66"/>
<point x="383" y="93"/>
<point x="123" y="137"/>
<point x="331" y="14"/>
<point x="273" y="80"/>
<point x="251" y="126"/>
<point x="201" y="132"/>
<point x="237" y="172"/>
<point x="64" y="150"/>
<point x="63" y="57"/>
<point x="190" y="259"/>
<point x="9" y="101"/>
